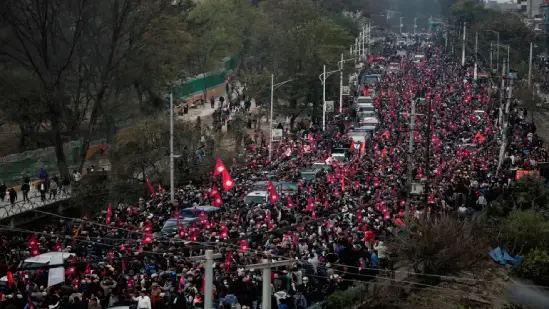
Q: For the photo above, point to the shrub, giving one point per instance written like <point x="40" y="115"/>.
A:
<point x="442" y="245"/>
<point x="535" y="267"/>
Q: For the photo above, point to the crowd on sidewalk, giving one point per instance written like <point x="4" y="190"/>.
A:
<point x="332" y="227"/>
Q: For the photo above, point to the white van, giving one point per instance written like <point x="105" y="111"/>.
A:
<point x="257" y="197"/>
<point x="41" y="260"/>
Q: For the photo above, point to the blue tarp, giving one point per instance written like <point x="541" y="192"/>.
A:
<point x="503" y="257"/>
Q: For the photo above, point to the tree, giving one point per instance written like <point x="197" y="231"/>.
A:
<point x="524" y="230"/>
<point x="442" y="245"/>
<point x="535" y="267"/>
<point x="219" y="29"/>
<point x="74" y="53"/>
<point x="293" y="40"/>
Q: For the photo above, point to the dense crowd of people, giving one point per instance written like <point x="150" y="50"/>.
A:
<point x="333" y="227"/>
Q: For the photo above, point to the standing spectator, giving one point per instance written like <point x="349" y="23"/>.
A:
<point x="43" y="174"/>
<point x="25" y="187"/>
<point x="3" y="190"/>
<point x="212" y="102"/>
<point x="76" y="176"/>
<point x="42" y="188"/>
<point x="53" y="188"/>
<point x="65" y="185"/>
<point x="13" y="195"/>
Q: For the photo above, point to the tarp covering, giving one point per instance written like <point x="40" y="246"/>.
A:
<point x="503" y="257"/>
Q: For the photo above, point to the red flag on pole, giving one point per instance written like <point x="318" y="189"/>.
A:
<point x="149" y="184"/>
<point x="228" y="182"/>
<point x="219" y="167"/>
<point x="108" y="216"/>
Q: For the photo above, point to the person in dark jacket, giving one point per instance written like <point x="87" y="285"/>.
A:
<point x="3" y="190"/>
<point x="25" y="187"/>
<point x="13" y="195"/>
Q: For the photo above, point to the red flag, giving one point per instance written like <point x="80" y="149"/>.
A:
<point x="148" y="227"/>
<point x="224" y="232"/>
<point x="214" y="191"/>
<point x="31" y="304"/>
<point x="217" y="201"/>
<point x="243" y="245"/>
<point x="108" y="216"/>
<point x="342" y="181"/>
<point x="273" y="196"/>
<point x="149" y="184"/>
<point x="219" y="167"/>
<point x="352" y="146"/>
<point x="310" y="205"/>
<point x="479" y="138"/>
<point x="88" y="270"/>
<point x="228" y="260"/>
<point x="147" y="239"/>
<point x="32" y="242"/>
<point x="58" y="247"/>
<point x="370" y="58"/>
<point x="290" y="202"/>
<point x="228" y="182"/>
<point x="34" y="251"/>
<point x="181" y="231"/>
<point x="181" y="283"/>
<point x="10" y="278"/>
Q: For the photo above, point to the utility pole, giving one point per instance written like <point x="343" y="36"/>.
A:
<point x="172" y="165"/>
<point x="364" y="35"/>
<point x="208" y="289"/>
<point x="265" y="267"/>
<point x="491" y="66"/>
<point x="476" y="55"/>
<point x="505" y="124"/>
<point x="412" y="116"/>
<point x="501" y="94"/>
<point x="530" y="61"/>
<point x="369" y="36"/>
<point x="463" y="44"/>
<point x="341" y="86"/>
<point x="271" y="120"/>
<point x="428" y="161"/>
<point x="323" y="103"/>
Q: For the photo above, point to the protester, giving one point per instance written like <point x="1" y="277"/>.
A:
<point x="332" y="227"/>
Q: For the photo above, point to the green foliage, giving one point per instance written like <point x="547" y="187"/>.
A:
<point x="529" y="193"/>
<point x="347" y="298"/>
<point x="442" y="245"/>
<point x="535" y="267"/>
<point x="524" y="230"/>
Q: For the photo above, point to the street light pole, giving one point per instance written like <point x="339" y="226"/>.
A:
<point x="415" y="24"/>
<point x="271" y="120"/>
<point x="324" y="99"/>
<point x="273" y="87"/>
<point x="341" y="86"/>
<point x="530" y="64"/>
<point x="172" y="167"/>
<point x="463" y="44"/>
<point x="322" y="78"/>
<point x="476" y="53"/>
<point x="400" y="26"/>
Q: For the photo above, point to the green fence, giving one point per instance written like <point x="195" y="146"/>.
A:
<point x="208" y="80"/>
<point x="15" y="167"/>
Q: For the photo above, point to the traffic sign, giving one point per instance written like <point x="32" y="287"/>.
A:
<point x="330" y="106"/>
